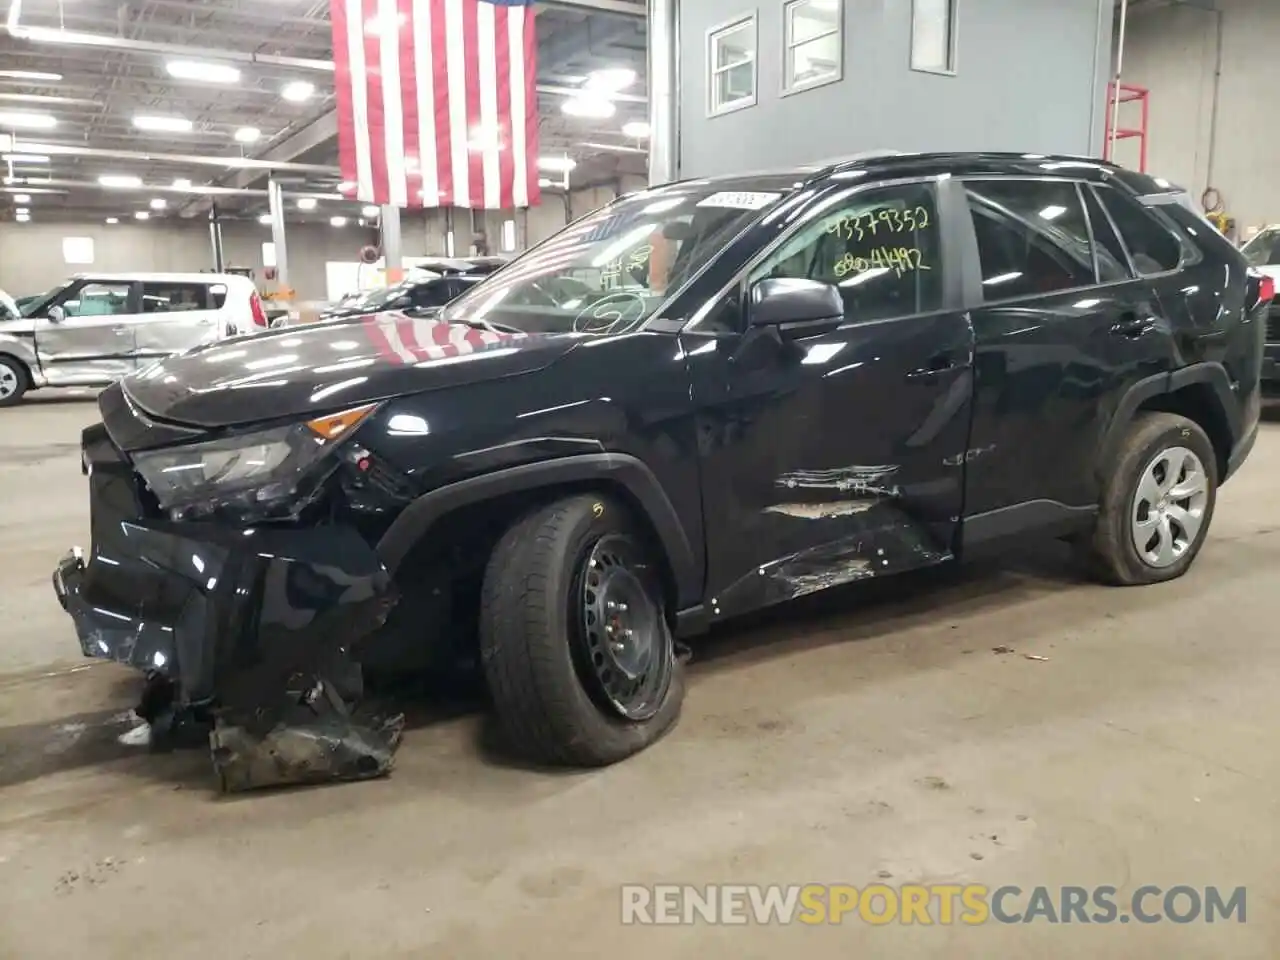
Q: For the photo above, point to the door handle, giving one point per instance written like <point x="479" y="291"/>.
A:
<point x="937" y="367"/>
<point x="1132" y="326"/>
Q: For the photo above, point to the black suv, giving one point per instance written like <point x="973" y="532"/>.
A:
<point x="702" y="399"/>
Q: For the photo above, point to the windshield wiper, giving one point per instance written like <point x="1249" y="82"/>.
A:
<point x="492" y="327"/>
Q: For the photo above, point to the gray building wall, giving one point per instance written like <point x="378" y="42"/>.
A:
<point x="1030" y="75"/>
<point x="1173" y="52"/>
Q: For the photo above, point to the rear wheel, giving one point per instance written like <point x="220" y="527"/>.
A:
<point x="13" y="381"/>
<point x="574" y="638"/>
<point x="1158" y="502"/>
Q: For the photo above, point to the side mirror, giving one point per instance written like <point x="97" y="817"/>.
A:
<point x="56" y="315"/>
<point x="795" y="306"/>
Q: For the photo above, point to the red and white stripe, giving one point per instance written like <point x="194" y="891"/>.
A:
<point x="437" y="101"/>
<point x="407" y="340"/>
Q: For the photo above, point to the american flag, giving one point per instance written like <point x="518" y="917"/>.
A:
<point x="437" y="101"/>
<point x="406" y="340"/>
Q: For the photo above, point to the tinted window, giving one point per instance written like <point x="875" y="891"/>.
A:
<point x="174" y="297"/>
<point x="433" y="294"/>
<point x="880" y="248"/>
<point x="1153" y="246"/>
<point x="1032" y="237"/>
<point x="1113" y="261"/>
<point x="98" y="300"/>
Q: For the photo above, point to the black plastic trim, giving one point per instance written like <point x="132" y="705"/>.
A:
<point x="1018" y="518"/>
<point x="417" y="519"/>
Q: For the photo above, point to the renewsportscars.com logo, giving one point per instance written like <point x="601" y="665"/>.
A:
<point x="926" y="905"/>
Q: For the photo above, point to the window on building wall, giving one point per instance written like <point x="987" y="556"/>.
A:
<point x="933" y="35"/>
<point x="732" y="55"/>
<point x="269" y="255"/>
<point x="814" y="53"/>
<point x="77" y="250"/>
<point x="508" y="236"/>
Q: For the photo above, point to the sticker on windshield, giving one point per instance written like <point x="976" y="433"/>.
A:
<point x="739" y="201"/>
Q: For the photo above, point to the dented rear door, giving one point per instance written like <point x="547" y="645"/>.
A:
<point x="837" y="457"/>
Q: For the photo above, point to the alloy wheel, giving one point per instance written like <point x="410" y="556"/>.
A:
<point x="8" y="381"/>
<point x="1169" y="507"/>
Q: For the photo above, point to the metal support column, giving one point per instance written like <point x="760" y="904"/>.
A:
<point x="663" y="54"/>
<point x="215" y="240"/>
<point x="392" y="250"/>
<point x="275" y="200"/>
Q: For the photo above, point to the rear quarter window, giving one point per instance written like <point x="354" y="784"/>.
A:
<point x="1155" y="243"/>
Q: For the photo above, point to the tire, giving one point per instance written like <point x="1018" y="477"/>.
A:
<point x="1113" y="551"/>
<point x="14" y="381"/>
<point x="536" y="646"/>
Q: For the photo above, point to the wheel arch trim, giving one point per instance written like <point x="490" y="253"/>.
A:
<point x="1211" y="374"/>
<point x="417" y="519"/>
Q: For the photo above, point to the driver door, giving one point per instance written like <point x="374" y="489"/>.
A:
<point x="93" y="341"/>
<point x="838" y="454"/>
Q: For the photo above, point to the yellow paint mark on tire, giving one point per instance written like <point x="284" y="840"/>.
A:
<point x="597" y="509"/>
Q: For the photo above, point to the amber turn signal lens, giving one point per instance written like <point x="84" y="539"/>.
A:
<point x="334" y="425"/>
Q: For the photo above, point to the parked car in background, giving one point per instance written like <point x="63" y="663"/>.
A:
<point x="758" y="387"/>
<point x="96" y="328"/>
<point x="1263" y="254"/>
<point x="422" y="291"/>
<point x="10" y="309"/>
<point x="483" y="266"/>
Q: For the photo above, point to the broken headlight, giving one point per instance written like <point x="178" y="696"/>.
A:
<point x="268" y="472"/>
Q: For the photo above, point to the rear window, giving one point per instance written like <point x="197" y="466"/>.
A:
<point x="1264" y="249"/>
<point x="1153" y="242"/>
<point x="174" y="297"/>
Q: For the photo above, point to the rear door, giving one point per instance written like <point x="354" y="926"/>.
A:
<point x="175" y="316"/>
<point x="93" y="341"/>
<point x="1063" y="329"/>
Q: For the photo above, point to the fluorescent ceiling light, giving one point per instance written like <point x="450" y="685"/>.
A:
<point x="544" y="181"/>
<point x="346" y="186"/>
<point x="610" y="80"/>
<point x="557" y="164"/>
<point x="593" y="107"/>
<point x="636" y="128"/>
<point x="120" y="182"/>
<point x="24" y="158"/>
<point x="1052" y="212"/>
<point x="23" y="218"/>
<point x="337" y="221"/>
<point x="21" y="211"/>
<point x="113" y="219"/>
<point x="265" y="219"/>
<point x="29" y="75"/>
<point x="370" y="211"/>
<point x="298" y="91"/>
<point x="182" y="184"/>
<point x="197" y="70"/>
<point x="27" y="121"/>
<point x="162" y="124"/>
<point x="142" y="215"/>
<point x="248" y="135"/>
<point x="159" y="203"/>
<point x="22" y="198"/>
<point x="307" y="203"/>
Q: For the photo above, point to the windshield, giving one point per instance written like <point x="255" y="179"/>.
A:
<point x="608" y="272"/>
<point x="1264" y="249"/>
<point x="31" y="305"/>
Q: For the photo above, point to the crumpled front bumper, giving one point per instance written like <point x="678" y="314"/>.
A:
<point x="235" y="618"/>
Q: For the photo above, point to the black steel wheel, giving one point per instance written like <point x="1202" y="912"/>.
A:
<point x="575" y="642"/>
<point x="623" y="646"/>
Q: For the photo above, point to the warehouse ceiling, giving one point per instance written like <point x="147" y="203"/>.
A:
<point x="95" y="66"/>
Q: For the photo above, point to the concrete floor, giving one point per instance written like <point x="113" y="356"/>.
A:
<point x="870" y="736"/>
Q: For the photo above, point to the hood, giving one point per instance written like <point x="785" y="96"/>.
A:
<point x="318" y="367"/>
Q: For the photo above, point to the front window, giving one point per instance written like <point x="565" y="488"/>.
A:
<point x="1264" y="249"/>
<point x="610" y="271"/>
<point x="395" y="297"/>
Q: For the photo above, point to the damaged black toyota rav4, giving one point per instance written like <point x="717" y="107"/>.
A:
<point x="700" y="400"/>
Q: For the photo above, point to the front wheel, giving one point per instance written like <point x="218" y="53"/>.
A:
<point x="1158" y="502"/>
<point x="13" y="381"/>
<point x="574" y="638"/>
